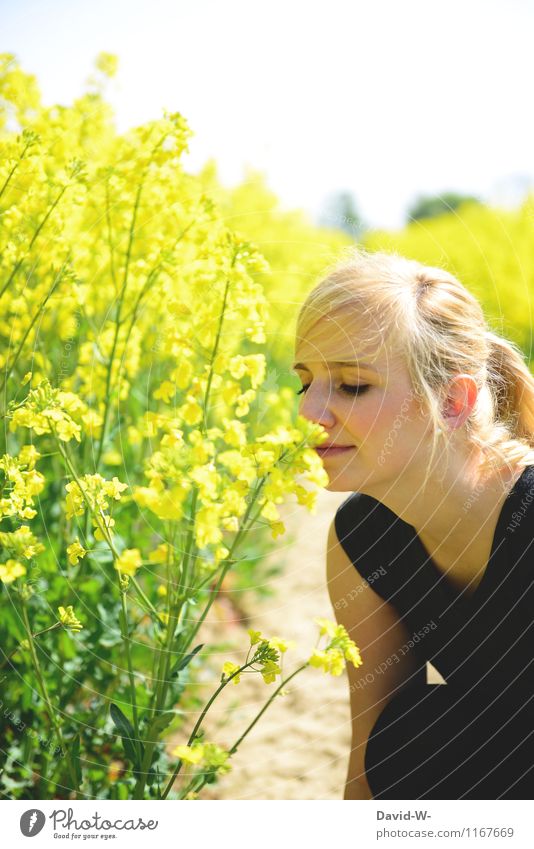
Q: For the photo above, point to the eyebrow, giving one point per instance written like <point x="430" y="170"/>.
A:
<point x="351" y="363"/>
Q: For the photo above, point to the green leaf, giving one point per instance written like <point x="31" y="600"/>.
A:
<point x="75" y="751"/>
<point x="161" y="722"/>
<point x="181" y="664"/>
<point x="127" y="733"/>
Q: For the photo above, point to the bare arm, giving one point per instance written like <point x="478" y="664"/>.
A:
<point x="377" y="630"/>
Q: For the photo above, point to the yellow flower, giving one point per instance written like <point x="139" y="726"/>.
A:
<point x="336" y="662"/>
<point x="165" y="392"/>
<point x="229" y="668"/>
<point x="114" y="488"/>
<point x="320" y="660"/>
<point x="182" y="374"/>
<point x="28" y="456"/>
<point x="69" y="620"/>
<point x="128" y="562"/>
<point x="235" y="432"/>
<point x="281" y="645"/>
<point x="189" y="754"/>
<point x="352" y="653"/>
<point x="191" y="411"/>
<point x="11" y="570"/>
<point x="326" y="626"/>
<point x="160" y="554"/>
<point x="277" y="529"/>
<point x="75" y="552"/>
<point x="216" y="757"/>
<point x="255" y="636"/>
<point x="112" y="458"/>
<point x="207" y="526"/>
<point x="107" y="63"/>
<point x="270" y="511"/>
<point x="269" y="671"/>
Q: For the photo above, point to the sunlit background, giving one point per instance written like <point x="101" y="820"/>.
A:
<point x="384" y="101"/>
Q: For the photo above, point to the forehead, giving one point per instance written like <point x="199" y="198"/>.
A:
<point x="343" y="336"/>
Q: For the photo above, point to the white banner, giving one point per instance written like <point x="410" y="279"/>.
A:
<point x="267" y="824"/>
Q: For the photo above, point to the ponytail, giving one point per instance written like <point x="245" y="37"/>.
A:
<point x="512" y="386"/>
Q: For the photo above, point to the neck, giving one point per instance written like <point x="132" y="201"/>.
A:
<point x="457" y="510"/>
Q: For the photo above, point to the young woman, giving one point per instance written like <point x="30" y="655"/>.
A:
<point x="430" y="423"/>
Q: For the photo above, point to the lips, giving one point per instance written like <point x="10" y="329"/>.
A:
<point x="333" y="450"/>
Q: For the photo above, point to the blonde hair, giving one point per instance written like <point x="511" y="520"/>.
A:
<point x="439" y="328"/>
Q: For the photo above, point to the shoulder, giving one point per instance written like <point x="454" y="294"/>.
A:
<point x="364" y="528"/>
<point x="362" y="517"/>
<point x="521" y="512"/>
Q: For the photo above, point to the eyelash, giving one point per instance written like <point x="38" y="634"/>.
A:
<point x="345" y="387"/>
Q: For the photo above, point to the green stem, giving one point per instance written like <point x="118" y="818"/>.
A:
<point x="214" y="354"/>
<point x="8" y="372"/>
<point x="118" y="320"/>
<point x="229" y="562"/>
<point x="238" y="742"/>
<point x="126" y="638"/>
<point x="45" y="695"/>
<point x="15" y="166"/>
<point x="53" y="627"/>
<point x="264" y="708"/>
<point x="199" y="722"/>
<point x="33" y="240"/>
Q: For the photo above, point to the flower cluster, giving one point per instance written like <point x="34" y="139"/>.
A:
<point x="209" y="755"/>
<point x="266" y="656"/>
<point x="75" y="552"/>
<point x="21" y="483"/>
<point x="93" y="492"/>
<point x="21" y="543"/>
<point x="68" y="619"/>
<point x="11" y="570"/>
<point x="50" y="410"/>
<point x="339" y="649"/>
<point x="128" y="562"/>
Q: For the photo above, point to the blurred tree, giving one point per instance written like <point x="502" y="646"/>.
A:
<point x="341" y="213"/>
<point x="430" y="206"/>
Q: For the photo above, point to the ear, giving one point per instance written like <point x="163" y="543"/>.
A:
<point x="462" y="394"/>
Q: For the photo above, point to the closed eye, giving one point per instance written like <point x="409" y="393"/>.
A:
<point x="345" y="387"/>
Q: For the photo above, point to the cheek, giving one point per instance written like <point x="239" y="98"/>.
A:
<point x="365" y="416"/>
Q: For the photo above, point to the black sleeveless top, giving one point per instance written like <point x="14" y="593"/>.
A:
<point x="473" y="737"/>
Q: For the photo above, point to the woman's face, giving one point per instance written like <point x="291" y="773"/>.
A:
<point x="368" y="408"/>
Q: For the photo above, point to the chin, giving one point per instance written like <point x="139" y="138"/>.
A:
<point x="339" y="485"/>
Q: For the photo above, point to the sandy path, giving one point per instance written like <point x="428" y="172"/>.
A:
<point x="299" y="748"/>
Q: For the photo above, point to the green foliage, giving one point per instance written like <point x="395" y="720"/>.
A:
<point x="433" y="205"/>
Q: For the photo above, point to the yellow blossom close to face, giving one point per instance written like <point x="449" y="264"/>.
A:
<point x="339" y="649"/>
<point x="11" y="570"/>
<point x="128" y="562"/>
<point x="75" y="552"/>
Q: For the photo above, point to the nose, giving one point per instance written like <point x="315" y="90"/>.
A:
<point x="315" y="406"/>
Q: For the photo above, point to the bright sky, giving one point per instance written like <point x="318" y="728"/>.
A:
<point x="384" y="98"/>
